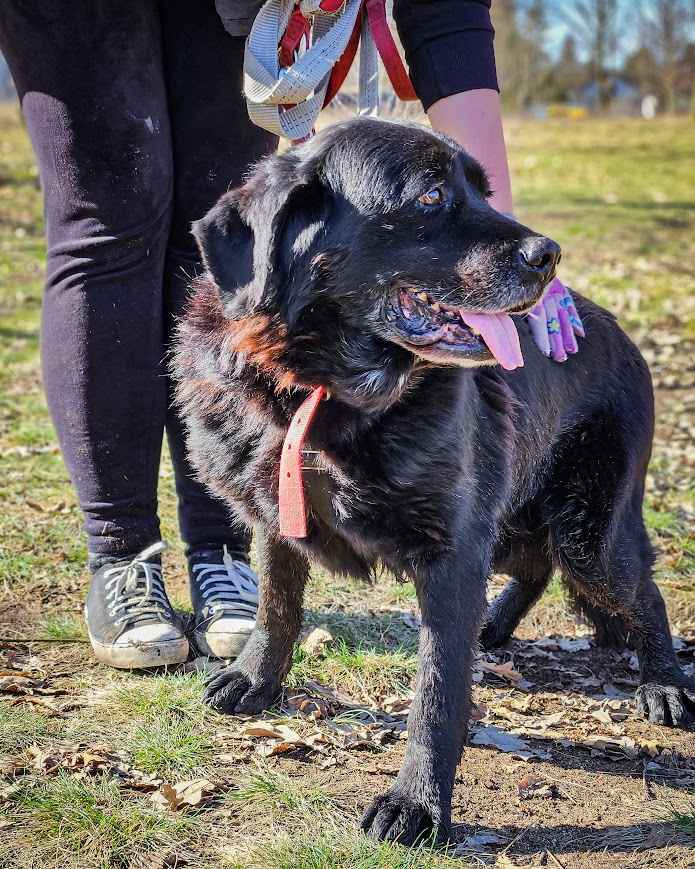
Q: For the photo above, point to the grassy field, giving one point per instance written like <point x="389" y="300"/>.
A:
<point x="107" y="769"/>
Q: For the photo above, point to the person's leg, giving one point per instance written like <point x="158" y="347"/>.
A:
<point x="89" y="77"/>
<point x="214" y="143"/>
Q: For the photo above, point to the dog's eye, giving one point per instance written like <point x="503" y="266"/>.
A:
<point x="435" y="196"/>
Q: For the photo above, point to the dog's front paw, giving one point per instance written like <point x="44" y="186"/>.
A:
<point x="669" y="705"/>
<point x="396" y="817"/>
<point x="234" y="692"/>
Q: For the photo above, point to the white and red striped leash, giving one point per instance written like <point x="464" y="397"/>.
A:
<point x="298" y="55"/>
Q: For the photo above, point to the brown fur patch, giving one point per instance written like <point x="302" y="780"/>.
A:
<point x="259" y="337"/>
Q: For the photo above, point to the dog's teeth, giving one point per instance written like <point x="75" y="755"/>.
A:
<point x="422" y="297"/>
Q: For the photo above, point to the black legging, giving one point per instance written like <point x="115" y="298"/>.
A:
<point x="135" y="113"/>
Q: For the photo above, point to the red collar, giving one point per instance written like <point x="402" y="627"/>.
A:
<point x="291" y="490"/>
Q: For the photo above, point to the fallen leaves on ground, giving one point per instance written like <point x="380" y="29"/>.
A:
<point x="507" y="742"/>
<point x="270" y="738"/>
<point x="183" y="793"/>
<point x="81" y="760"/>
<point x="24" y="683"/>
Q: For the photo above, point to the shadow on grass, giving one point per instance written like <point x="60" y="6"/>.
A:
<point x="571" y="838"/>
<point x="23" y="334"/>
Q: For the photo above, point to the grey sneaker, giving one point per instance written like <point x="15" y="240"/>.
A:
<point x="224" y="594"/>
<point x="130" y="621"/>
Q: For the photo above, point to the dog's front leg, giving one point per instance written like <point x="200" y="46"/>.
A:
<point x="451" y="592"/>
<point x="254" y="680"/>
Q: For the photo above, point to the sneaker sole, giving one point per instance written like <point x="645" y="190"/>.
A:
<point x="145" y="655"/>
<point x="220" y="645"/>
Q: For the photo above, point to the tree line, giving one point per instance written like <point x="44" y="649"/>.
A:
<point x="646" y="46"/>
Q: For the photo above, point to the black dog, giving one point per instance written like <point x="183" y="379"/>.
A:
<point x="368" y="261"/>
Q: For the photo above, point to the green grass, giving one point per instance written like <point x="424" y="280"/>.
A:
<point x="272" y="789"/>
<point x="19" y="728"/>
<point x="170" y="747"/>
<point x="166" y="726"/>
<point x="339" y="848"/>
<point x="64" y="628"/>
<point x="661" y="521"/>
<point x="166" y="695"/>
<point x="684" y="821"/>
<point x="618" y="196"/>
<point x="66" y="822"/>
<point x="403" y="592"/>
<point x="365" y="673"/>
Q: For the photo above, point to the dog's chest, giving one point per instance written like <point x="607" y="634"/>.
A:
<point x="385" y="494"/>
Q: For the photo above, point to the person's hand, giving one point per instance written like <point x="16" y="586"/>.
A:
<point x="555" y="323"/>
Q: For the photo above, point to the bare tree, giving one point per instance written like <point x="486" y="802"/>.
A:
<point x="522" y="62"/>
<point x="663" y="28"/>
<point x="596" y="26"/>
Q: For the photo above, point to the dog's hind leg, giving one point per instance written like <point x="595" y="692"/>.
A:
<point x="254" y="680"/>
<point x="532" y="570"/>
<point x="628" y="596"/>
<point x="610" y="631"/>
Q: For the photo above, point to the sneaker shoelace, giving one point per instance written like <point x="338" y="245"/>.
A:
<point x="135" y="591"/>
<point x="227" y="589"/>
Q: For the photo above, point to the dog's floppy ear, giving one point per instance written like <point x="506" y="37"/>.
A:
<point x="254" y="246"/>
<point x="226" y="244"/>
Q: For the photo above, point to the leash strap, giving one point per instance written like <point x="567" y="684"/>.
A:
<point x="291" y="499"/>
<point x="286" y="89"/>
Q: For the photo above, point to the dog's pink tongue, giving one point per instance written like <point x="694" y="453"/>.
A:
<point x="499" y="333"/>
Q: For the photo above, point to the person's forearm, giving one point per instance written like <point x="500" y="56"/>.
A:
<point x="474" y="120"/>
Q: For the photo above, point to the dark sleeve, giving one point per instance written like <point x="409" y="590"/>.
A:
<point x="448" y="46"/>
<point x="237" y="15"/>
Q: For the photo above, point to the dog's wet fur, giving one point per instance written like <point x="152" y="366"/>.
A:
<point x="439" y="469"/>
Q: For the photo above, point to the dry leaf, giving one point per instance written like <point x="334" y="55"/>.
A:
<point x="183" y="793"/>
<point x="544" y="722"/>
<point x="166" y="860"/>
<point x="395" y="704"/>
<point x="602" y="715"/>
<point x="316" y="641"/>
<point x="259" y="730"/>
<point x="573" y="645"/>
<point x="478" y="711"/>
<point x="505" y="742"/>
<point x="53" y="711"/>
<point x="532" y="787"/>
<point x="270" y="749"/>
<point x="166" y="797"/>
<point x="7" y="790"/>
<point x="310" y="706"/>
<point x="504" y="671"/>
<point x="479" y="842"/>
<point x="193" y="793"/>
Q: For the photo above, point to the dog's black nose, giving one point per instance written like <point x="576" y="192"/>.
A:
<point x="539" y="255"/>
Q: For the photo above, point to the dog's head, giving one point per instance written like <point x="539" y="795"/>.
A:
<point x="370" y="247"/>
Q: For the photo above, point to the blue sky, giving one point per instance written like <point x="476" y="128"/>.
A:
<point x="559" y="27"/>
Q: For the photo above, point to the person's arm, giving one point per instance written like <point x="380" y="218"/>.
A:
<point x="449" y="47"/>
<point x="474" y="119"/>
